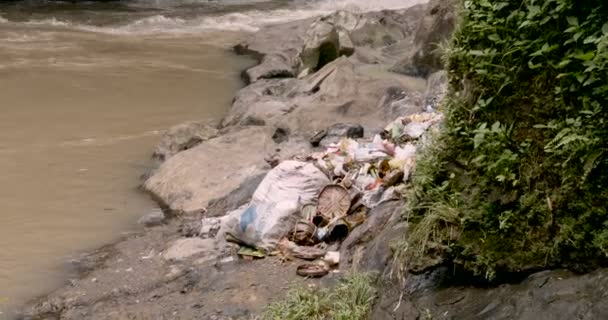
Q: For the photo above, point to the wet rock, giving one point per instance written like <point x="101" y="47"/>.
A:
<point x="379" y="252"/>
<point x="272" y="66"/>
<point x="152" y="219"/>
<point x="183" y="137"/>
<point x="336" y="132"/>
<point x="438" y="293"/>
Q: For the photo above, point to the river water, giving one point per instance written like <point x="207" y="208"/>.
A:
<point x="85" y="90"/>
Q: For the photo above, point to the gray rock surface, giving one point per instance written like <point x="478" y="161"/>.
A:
<point x="344" y="91"/>
<point x="440" y="293"/>
<point x="546" y="295"/>
<point x="187" y="181"/>
<point x="272" y="66"/>
<point x="360" y="251"/>
<point x="183" y="137"/>
<point x="336" y="132"/>
<point x="326" y="39"/>
<point x="240" y="196"/>
<point x="434" y="28"/>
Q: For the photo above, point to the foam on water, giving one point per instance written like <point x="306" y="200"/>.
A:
<point x="248" y="21"/>
<point x="251" y="21"/>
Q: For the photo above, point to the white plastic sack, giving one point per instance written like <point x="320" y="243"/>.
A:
<point x="274" y="208"/>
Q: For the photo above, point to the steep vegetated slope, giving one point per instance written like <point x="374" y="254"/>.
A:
<point x="517" y="180"/>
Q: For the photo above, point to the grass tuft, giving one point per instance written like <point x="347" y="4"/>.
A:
<point x="351" y="299"/>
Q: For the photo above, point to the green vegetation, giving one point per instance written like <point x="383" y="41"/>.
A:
<point x="518" y="178"/>
<point x="351" y="299"/>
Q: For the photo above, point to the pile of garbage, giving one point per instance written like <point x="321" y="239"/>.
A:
<point x="305" y="209"/>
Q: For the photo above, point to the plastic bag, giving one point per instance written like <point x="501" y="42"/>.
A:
<point x="275" y="207"/>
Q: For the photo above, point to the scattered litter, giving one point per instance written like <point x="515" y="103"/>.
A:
<point x="334" y="202"/>
<point x="150" y="255"/>
<point x="308" y="253"/>
<point x="332" y="258"/>
<point x="305" y="209"/>
<point x="246" y="252"/>
<point x="227" y="260"/>
<point x="303" y="233"/>
<point x="313" y="270"/>
<point x="289" y="249"/>
<point x="210" y="227"/>
<point x="308" y="212"/>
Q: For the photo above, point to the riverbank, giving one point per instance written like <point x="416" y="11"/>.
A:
<point x="358" y="70"/>
<point x="132" y="277"/>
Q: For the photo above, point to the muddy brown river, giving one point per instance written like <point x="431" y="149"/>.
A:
<point x="80" y="115"/>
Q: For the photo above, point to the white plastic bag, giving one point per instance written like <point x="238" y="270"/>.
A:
<point x="275" y="205"/>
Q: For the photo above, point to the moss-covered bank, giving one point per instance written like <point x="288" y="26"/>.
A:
<point x="518" y="178"/>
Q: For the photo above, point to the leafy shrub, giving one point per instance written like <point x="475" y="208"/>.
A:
<point x="521" y="165"/>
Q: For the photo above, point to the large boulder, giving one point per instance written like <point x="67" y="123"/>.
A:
<point x="187" y="181"/>
<point x="304" y="47"/>
<point x="277" y="49"/>
<point x="327" y="39"/>
<point x="343" y="91"/>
